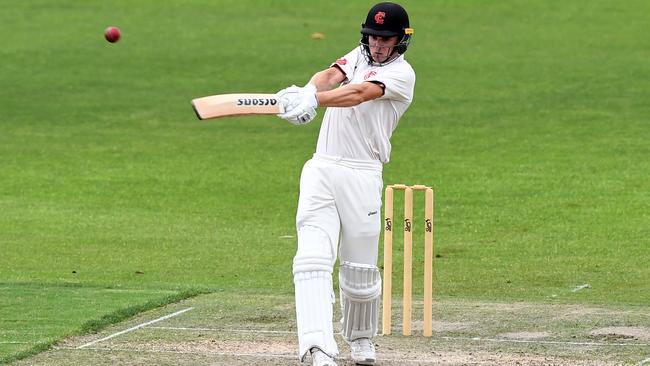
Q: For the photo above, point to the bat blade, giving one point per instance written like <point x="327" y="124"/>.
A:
<point x="225" y="105"/>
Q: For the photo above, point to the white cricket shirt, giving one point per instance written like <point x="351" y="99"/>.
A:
<point x="363" y="132"/>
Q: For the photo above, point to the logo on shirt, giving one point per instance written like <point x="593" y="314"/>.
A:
<point x="379" y="17"/>
<point x="341" y="61"/>
<point x="369" y="74"/>
<point x="372" y="213"/>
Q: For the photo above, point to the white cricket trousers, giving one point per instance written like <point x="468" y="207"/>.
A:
<point x="338" y="212"/>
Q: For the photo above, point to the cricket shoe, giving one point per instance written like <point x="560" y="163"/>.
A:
<point x="363" y="351"/>
<point x="320" y="358"/>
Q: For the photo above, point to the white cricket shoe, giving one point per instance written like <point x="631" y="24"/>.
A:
<point x="320" y="358"/>
<point x="363" y="351"/>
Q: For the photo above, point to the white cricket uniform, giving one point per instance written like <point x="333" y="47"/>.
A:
<point x="340" y="192"/>
<point x="363" y="132"/>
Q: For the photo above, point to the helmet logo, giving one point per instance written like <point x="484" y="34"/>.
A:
<point x="379" y="17"/>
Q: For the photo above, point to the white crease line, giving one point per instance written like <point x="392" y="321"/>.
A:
<point x="227" y="330"/>
<point x="235" y="354"/>
<point x="545" y="342"/>
<point x="136" y="327"/>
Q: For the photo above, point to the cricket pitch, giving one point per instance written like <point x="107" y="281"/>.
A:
<point x="250" y="329"/>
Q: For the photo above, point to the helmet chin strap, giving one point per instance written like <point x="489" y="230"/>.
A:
<point x="392" y="57"/>
<point x="371" y="60"/>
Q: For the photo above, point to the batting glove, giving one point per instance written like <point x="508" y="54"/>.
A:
<point x="289" y="98"/>
<point x="302" y="108"/>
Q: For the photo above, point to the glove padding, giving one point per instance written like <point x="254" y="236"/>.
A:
<point x="299" y="104"/>
<point x="288" y="97"/>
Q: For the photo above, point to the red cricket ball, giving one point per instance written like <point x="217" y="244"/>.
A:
<point x="112" y="34"/>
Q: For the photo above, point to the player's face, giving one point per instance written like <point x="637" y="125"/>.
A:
<point x="381" y="47"/>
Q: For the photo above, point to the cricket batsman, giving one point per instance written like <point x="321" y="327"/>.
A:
<point x="366" y="92"/>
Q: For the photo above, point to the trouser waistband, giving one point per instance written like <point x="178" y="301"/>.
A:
<point x="375" y="165"/>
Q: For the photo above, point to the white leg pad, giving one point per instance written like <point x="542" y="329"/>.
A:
<point x="360" y="286"/>
<point x="312" y="277"/>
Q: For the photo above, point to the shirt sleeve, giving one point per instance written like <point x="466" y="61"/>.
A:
<point x="399" y="82"/>
<point x="347" y="63"/>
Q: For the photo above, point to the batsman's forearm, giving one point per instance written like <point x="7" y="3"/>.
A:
<point x="348" y="95"/>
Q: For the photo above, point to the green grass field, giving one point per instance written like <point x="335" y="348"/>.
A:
<point x="530" y="119"/>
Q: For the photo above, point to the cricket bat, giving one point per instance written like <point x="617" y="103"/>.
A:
<point x="225" y="105"/>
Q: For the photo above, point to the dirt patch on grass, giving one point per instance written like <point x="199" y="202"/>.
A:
<point x="622" y="333"/>
<point x="235" y="347"/>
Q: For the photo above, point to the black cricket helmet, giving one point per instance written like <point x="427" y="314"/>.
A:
<point x="386" y="20"/>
